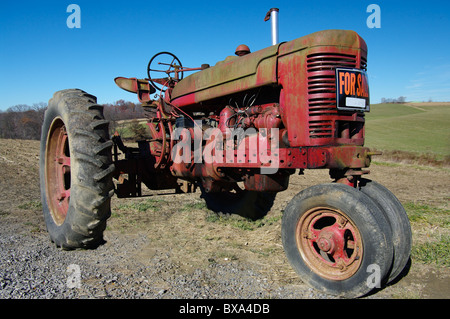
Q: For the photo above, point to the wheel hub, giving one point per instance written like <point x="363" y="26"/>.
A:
<point x="330" y="243"/>
<point x="326" y="242"/>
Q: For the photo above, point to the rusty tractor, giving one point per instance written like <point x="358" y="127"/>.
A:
<point x="238" y="130"/>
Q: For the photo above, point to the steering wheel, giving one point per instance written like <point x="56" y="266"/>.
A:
<point x="156" y="65"/>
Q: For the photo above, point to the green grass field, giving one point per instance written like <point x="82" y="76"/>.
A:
<point x="422" y="128"/>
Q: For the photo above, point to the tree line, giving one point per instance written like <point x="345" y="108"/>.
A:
<point x="23" y="121"/>
<point x="400" y="99"/>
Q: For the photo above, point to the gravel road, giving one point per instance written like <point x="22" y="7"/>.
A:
<point x="31" y="267"/>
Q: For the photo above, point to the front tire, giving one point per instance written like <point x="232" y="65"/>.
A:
<point x="75" y="170"/>
<point x="334" y="237"/>
<point x="398" y="220"/>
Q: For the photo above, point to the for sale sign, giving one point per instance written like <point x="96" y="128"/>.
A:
<point x="352" y="90"/>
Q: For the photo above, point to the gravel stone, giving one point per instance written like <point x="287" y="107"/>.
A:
<point x="31" y="267"/>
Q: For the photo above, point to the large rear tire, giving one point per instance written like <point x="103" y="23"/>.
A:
<point x="338" y="240"/>
<point x="75" y="170"/>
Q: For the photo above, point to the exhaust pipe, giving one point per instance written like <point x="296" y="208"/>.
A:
<point x="272" y="14"/>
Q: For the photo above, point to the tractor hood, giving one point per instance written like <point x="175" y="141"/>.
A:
<point x="237" y="74"/>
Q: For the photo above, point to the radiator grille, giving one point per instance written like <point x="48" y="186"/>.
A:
<point x="322" y="90"/>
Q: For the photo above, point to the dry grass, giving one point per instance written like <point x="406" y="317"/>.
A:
<point x="426" y="159"/>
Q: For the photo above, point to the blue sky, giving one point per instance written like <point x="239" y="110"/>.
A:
<point x="39" y="54"/>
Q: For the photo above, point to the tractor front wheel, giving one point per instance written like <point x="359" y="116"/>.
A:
<point x="337" y="239"/>
<point x="398" y="220"/>
<point x="75" y="170"/>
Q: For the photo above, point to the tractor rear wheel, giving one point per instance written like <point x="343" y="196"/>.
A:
<point x="75" y="170"/>
<point x="337" y="239"/>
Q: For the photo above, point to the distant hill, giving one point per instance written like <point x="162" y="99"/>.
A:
<point x="420" y="128"/>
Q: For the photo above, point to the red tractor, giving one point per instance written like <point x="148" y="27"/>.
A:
<point x="238" y="130"/>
